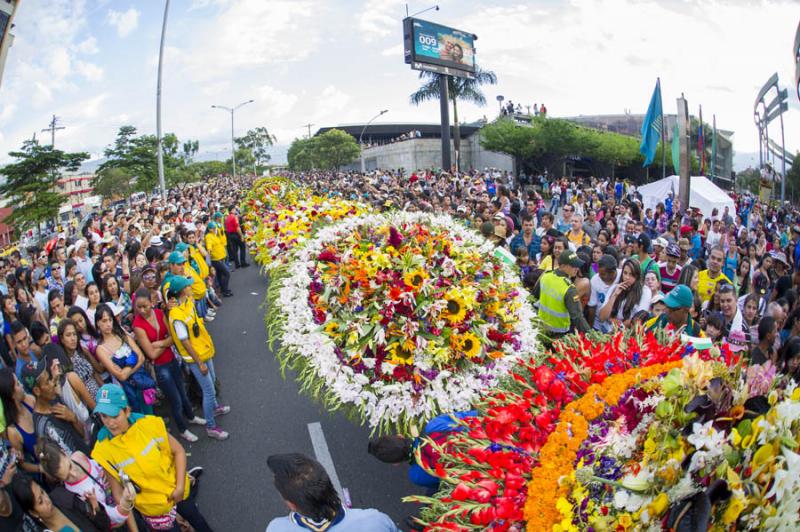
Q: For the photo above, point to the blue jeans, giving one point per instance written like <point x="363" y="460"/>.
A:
<point x="206" y="383"/>
<point x="223" y="274"/>
<point x="170" y="380"/>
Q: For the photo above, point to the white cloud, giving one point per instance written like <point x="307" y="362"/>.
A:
<point x="124" y="21"/>
<point x="274" y="103"/>
<point x="239" y="39"/>
<point x="90" y="71"/>
<point x="88" y="46"/>
<point x="381" y="18"/>
<point x="7" y="112"/>
<point x="396" y="50"/>
<point x="59" y="63"/>
<point x="331" y="100"/>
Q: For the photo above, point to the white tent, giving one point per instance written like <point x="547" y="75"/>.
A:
<point x="703" y="194"/>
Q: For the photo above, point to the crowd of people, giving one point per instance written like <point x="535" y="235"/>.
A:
<point x="101" y="326"/>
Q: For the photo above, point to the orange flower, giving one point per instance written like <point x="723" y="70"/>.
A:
<point x="558" y="455"/>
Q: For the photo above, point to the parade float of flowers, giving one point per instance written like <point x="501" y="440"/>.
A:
<point x="396" y="318"/>
<point x="486" y="467"/>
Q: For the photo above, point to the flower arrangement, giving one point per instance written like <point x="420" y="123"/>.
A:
<point x="398" y="317"/>
<point x="699" y="447"/>
<point x="486" y="468"/>
<point x="285" y="227"/>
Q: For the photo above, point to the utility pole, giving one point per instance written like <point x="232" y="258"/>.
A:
<point x="444" y="111"/>
<point x="685" y="158"/>
<point x="52" y="127"/>
<point x="309" y="129"/>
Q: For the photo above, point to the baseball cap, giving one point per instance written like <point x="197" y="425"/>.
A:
<point x="679" y="297"/>
<point x="166" y="229"/>
<point x="217" y="215"/>
<point x="660" y="241"/>
<point x="176" y="257"/>
<point x="780" y="256"/>
<point x="630" y="239"/>
<point x="796" y="228"/>
<point x="644" y="242"/>
<point x="31" y="372"/>
<point x="685" y="230"/>
<point x="212" y="225"/>
<point x="177" y="283"/>
<point x="570" y="258"/>
<point x="673" y="250"/>
<point x="181" y="247"/>
<point x="607" y="262"/>
<point x="38" y="274"/>
<point x="658" y="298"/>
<point x="110" y="400"/>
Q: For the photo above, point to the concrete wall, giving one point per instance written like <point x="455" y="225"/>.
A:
<point x="417" y="154"/>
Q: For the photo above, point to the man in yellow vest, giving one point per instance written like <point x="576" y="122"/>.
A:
<point x="559" y="305"/>
<point x="216" y="249"/>
<point x="197" y="350"/>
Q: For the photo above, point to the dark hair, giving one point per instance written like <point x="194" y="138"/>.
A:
<point x="89" y="327"/>
<point x="17" y="326"/>
<point x="52" y="352"/>
<point x="304" y="482"/>
<point x="765" y="326"/>
<point x="687" y="272"/>
<point x="790" y="350"/>
<point x="92" y="283"/>
<point x="116" y="328"/>
<point x="68" y="289"/>
<point x="62" y="326"/>
<point x="7" y="383"/>
<point x="21" y="487"/>
<point x="630" y="297"/>
<point x="38" y="329"/>
<point x="716" y="320"/>
<point x="69" y="265"/>
<point x="50" y="456"/>
<point x="106" y="294"/>
<point x="52" y="295"/>
<point x="390" y="449"/>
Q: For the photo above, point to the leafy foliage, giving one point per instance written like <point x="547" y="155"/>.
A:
<point x="330" y="150"/>
<point x="30" y="182"/>
<point x="134" y="162"/>
<point x="256" y="143"/>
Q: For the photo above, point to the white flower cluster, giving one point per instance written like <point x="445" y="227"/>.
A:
<point x="378" y="402"/>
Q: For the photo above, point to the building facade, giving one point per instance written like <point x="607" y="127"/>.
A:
<point x="76" y="187"/>
<point x="7" y="10"/>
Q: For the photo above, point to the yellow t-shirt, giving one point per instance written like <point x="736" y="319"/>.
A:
<point x="215" y="246"/>
<point x="143" y="453"/>
<point x="706" y="284"/>
<point x="547" y="264"/>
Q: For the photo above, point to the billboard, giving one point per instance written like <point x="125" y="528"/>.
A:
<point x="437" y="48"/>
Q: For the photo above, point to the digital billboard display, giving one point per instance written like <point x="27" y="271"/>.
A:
<point x="432" y="44"/>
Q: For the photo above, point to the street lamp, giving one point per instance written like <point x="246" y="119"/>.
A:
<point x="363" y="169"/>
<point x="160" y="140"/>
<point x="500" y="99"/>
<point x="232" y="110"/>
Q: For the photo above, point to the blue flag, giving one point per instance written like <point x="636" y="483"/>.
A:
<point x="651" y="128"/>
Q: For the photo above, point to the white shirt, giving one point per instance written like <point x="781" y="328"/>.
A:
<point x="600" y="294"/>
<point x="644" y="303"/>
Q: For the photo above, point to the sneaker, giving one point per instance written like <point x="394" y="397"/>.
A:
<point x="211" y="312"/>
<point x="195" y="472"/>
<point x="209" y="318"/>
<point x="217" y="434"/>
<point x="221" y="410"/>
<point x="197" y="421"/>
<point x="227" y="294"/>
<point x="188" y="436"/>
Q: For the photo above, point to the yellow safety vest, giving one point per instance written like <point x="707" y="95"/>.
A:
<point x="201" y="341"/>
<point x="143" y="453"/>
<point x="552" y="309"/>
<point x="202" y="265"/>
<point x="198" y="285"/>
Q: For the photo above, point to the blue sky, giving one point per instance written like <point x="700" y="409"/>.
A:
<point x="93" y="63"/>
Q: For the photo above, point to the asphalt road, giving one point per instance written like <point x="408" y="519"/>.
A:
<point x="269" y="416"/>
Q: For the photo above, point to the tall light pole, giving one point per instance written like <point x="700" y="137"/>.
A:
<point x="363" y="169"/>
<point x="232" y="110"/>
<point x="158" y="106"/>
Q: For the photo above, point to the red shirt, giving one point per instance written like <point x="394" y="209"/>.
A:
<point x="155" y="335"/>
<point x="231" y="223"/>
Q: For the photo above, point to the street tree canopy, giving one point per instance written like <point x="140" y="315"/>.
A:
<point x="329" y="151"/>
<point x="31" y="183"/>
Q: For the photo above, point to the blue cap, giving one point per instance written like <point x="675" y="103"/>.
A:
<point x="181" y="247"/>
<point x="178" y="283"/>
<point x="110" y="400"/>
<point x="176" y="257"/>
<point x="679" y="297"/>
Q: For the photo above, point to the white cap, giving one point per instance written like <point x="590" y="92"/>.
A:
<point x="156" y="241"/>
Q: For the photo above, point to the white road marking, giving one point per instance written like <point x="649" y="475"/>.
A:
<point x="323" y="454"/>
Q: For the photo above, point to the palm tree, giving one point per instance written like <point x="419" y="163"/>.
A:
<point x="458" y="89"/>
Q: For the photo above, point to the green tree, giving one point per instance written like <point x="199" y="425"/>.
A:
<point x="505" y="136"/>
<point x="334" y="149"/>
<point x="614" y="149"/>
<point x="209" y="168"/>
<point x="113" y="183"/>
<point x="30" y="183"/>
<point x="793" y="175"/>
<point x="300" y="156"/>
<point x="465" y="89"/>
<point x="748" y="180"/>
<point x="257" y="141"/>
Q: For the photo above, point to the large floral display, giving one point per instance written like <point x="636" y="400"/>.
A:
<point x="626" y="434"/>
<point x="281" y="216"/>
<point x="396" y="318"/>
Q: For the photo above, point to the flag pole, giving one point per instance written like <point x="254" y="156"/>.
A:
<point x="714" y="148"/>
<point x="701" y="141"/>
<point x="663" y="136"/>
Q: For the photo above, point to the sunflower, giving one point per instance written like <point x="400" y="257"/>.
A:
<point x="332" y="329"/>
<point x="469" y="344"/>
<point x="399" y="355"/>
<point x="456" y="308"/>
<point x="415" y="278"/>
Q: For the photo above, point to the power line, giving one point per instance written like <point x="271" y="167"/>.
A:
<point x="309" y="129"/>
<point x="52" y="128"/>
